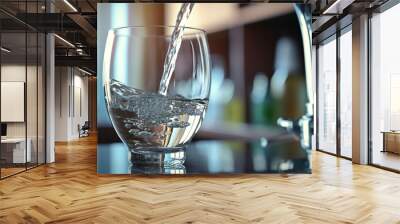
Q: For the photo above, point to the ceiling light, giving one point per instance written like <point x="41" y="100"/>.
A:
<point x="5" y="50"/>
<point x="70" y="5"/>
<point x="84" y="71"/>
<point x="65" y="41"/>
<point x="337" y="7"/>
<point x="79" y="51"/>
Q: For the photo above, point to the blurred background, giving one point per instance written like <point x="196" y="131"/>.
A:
<point x="54" y="51"/>
<point x="257" y="77"/>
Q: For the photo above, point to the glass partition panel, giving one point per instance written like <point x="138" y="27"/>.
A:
<point x="22" y="87"/>
<point x="14" y="153"/>
<point x="346" y="94"/>
<point x="32" y="98"/>
<point x="41" y="79"/>
<point x="327" y="96"/>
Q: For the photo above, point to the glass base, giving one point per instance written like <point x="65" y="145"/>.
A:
<point x="155" y="158"/>
<point x="146" y="169"/>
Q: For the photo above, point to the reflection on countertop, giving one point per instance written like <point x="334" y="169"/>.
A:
<point x="214" y="157"/>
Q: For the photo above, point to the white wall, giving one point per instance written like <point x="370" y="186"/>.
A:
<point x="70" y="84"/>
<point x="79" y="117"/>
<point x="15" y="73"/>
<point x="11" y="73"/>
<point x="33" y="126"/>
<point x="61" y="103"/>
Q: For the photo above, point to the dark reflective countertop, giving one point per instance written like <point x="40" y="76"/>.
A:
<point x="214" y="157"/>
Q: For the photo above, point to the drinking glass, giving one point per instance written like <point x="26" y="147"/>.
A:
<point x="155" y="127"/>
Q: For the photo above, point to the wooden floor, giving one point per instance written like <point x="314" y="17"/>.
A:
<point x="10" y="171"/>
<point x="386" y="159"/>
<point x="70" y="191"/>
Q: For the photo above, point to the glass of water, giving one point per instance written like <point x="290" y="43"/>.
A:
<point x="156" y="124"/>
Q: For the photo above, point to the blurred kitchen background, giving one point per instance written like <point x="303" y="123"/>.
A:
<point x="258" y="80"/>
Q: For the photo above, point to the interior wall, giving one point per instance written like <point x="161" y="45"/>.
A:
<point x="71" y="102"/>
<point x="61" y="103"/>
<point x="92" y="100"/>
<point x="16" y="73"/>
<point x="33" y="126"/>
<point x="80" y="109"/>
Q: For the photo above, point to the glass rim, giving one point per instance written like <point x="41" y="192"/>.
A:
<point x="199" y="30"/>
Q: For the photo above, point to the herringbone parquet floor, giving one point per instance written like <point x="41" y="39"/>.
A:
<point x="70" y="191"/>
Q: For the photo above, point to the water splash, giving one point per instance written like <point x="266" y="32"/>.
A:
<point x="149" y="119"/>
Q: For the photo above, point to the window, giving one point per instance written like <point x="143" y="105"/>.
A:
<point x="346" y="94"/>
<point x="385" y="89"/>
<point x="327" y="97"/>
